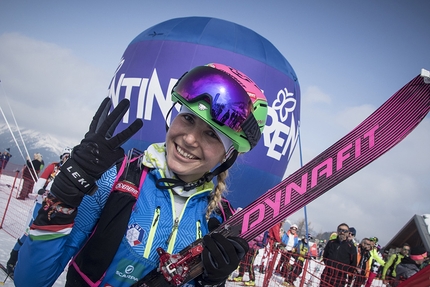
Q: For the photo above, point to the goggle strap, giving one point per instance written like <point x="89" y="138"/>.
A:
<point x="167" y="116"/>
<point x="252" y="130"/>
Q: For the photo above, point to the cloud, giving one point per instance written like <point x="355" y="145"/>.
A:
<point x="350" y="117"/>
<point x="47" y="87"/>
<point x="313" y="95"/>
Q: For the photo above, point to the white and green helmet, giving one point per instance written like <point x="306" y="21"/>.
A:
<point x="227" y="100"/>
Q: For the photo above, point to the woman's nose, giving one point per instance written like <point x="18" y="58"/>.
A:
<point x="192" y="138"/>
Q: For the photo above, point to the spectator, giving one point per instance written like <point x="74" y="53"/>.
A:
<point x="4" y="158"/>
<point x="410" y="265"/>
<point x="394" y="260"/>
<point x="247" y="263"/>
<point x="351" y="238"/>
<point x="376" y="260"/>
<point x="301" y="250"/>
<point x="352" y="234"/>
<point x="363" y="262"/>
<point x="321" y="245"/>
<point x="290" y="239"/>
<point x="29" y="175"/>
<point x="42" y="186"/>
<point x="274" y="239"/>
<point x="338" y="250"/>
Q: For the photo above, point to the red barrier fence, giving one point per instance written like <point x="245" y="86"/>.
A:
<point x="277" y="267"/>
<point x="14" y="213"/>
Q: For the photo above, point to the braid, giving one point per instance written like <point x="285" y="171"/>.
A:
<point x="220" y="188"/>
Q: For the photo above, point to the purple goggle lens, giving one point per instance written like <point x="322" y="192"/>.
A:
<point x="230" y="103"/>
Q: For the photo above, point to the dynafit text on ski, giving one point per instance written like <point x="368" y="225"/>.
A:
<point x="377" y="134"/>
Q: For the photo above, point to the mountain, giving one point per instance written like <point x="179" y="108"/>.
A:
<point x="47" y="145"/>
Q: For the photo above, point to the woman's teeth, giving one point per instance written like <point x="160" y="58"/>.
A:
<point x="184" y="153"/>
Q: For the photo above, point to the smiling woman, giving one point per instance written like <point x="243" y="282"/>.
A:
<point x="167" y="200"/>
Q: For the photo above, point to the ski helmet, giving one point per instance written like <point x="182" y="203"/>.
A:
<point x="66" y="150"/>
<point x="227" y="100"/>
<point x="294" y="226"/>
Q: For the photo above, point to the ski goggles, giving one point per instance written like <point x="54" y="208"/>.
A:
<point x="230" y="104"/>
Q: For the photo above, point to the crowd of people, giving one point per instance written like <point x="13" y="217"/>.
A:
<point x="346" y="261"/>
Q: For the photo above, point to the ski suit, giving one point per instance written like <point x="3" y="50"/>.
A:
<point x="152" y="224"/>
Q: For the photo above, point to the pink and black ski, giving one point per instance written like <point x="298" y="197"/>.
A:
<point x="377" y="134"/>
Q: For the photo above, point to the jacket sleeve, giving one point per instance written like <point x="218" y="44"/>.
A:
<point x="326" y="251"/>
<point x="45" y="254"/>
<point x="387" y="265"/>
<point x="353" y="256"/>
<point x="276" y="233"/>
<point x="378" y="258"/>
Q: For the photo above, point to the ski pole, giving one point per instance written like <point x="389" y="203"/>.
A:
<point x="4" y="281"/>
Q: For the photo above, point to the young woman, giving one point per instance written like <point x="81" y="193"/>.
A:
<point x="113" y="240"/>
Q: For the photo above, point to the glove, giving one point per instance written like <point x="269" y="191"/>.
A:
<point x="96" y="153"/>
<point x="220" y="257"/>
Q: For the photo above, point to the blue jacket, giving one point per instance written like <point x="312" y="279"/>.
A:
<point x="151" y="224"/>
<point x="286" y="237"/>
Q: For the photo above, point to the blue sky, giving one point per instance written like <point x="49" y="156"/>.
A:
<point x="349" y="56"/>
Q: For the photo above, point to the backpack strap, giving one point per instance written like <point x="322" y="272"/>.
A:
<point x="224" y="209"/>
<point x="89" y="266"/>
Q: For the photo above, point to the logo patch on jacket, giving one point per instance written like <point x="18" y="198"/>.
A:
<point x="135" y="234"/>
<point x="128" y="271"/>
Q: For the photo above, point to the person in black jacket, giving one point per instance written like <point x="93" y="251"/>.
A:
<point x="339" y="257"/>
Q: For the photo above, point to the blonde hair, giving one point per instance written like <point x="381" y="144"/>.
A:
<point x="38" y="156"/>
<point x="216" y="195"/>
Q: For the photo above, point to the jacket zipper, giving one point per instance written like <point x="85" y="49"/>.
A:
<point x="174" y="228"/>
<point x="152" y="232"/>
<point x="199" y="230"/>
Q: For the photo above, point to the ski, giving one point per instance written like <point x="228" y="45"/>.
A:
<point x="377" y="134"/>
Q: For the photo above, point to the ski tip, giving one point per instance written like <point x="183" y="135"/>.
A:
<point x="426" y="75"/>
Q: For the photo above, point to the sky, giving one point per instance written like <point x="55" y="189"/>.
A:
<point x="57" y="59"/>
